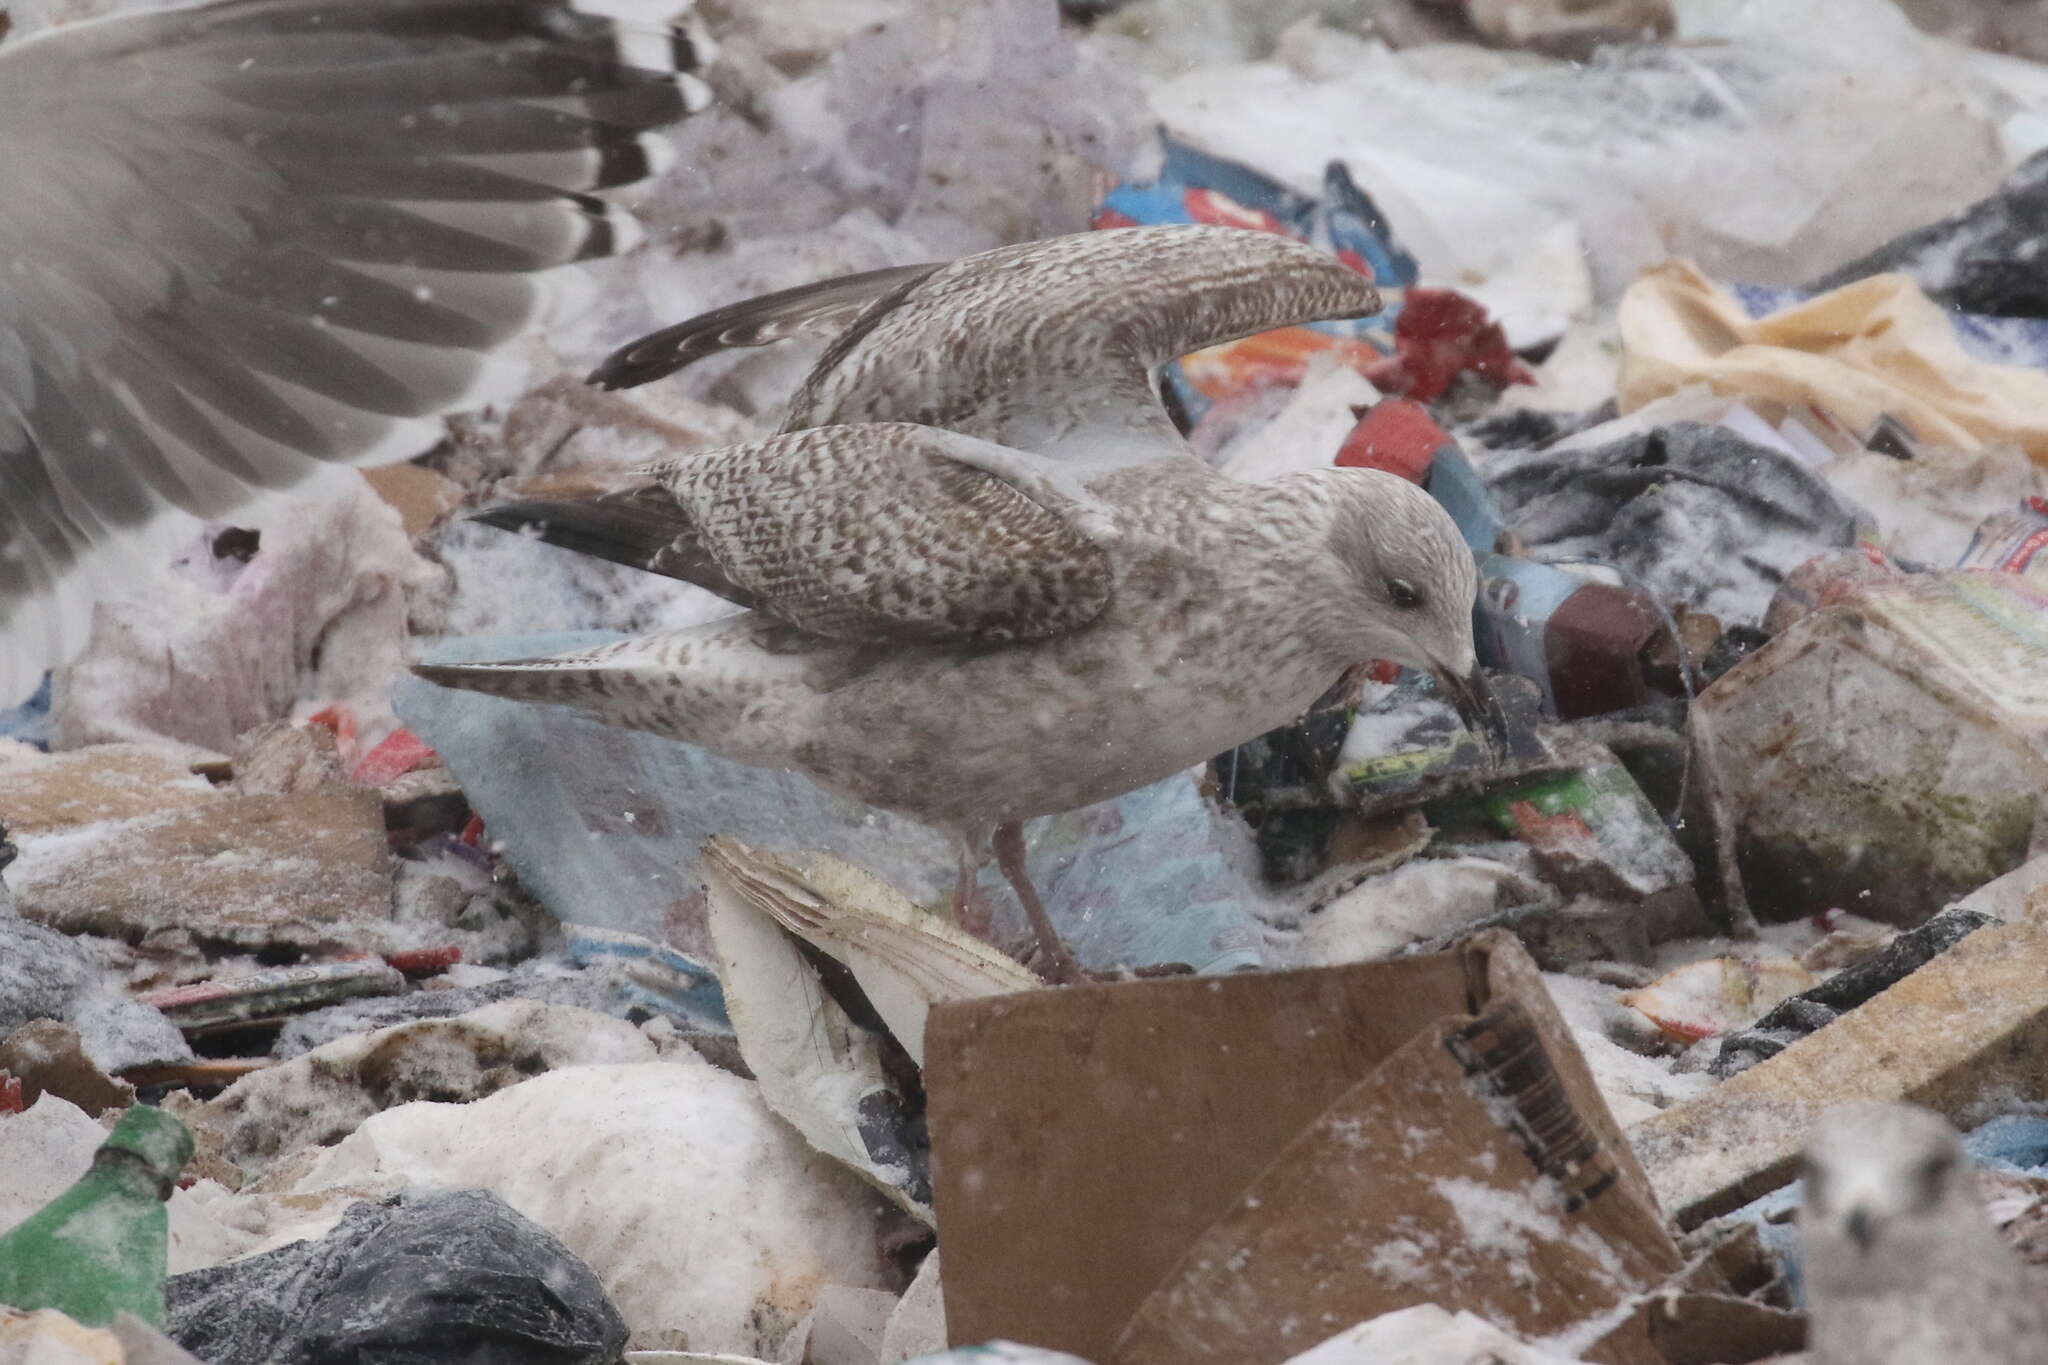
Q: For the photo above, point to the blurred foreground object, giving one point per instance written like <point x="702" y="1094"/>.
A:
<point x="1901" y="1264"/>
<point x="248" y="238"/>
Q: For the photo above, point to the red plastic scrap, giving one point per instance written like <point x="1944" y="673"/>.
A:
<point x="338" y="718"/>
<point x="341" y="721"/>
<point x="400" y="752"/>
<point x="472" y="831"/>
<point x="1440" y="335"/>
<point x="424" y="961"/>
<point x="1397" y="436"/>
<point x="11" y="1101"/>
<point x="1565" y="831"/>
<point x="1217" y="209"/>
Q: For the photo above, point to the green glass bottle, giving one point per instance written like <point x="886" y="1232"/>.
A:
<point x="98" y="1249"/>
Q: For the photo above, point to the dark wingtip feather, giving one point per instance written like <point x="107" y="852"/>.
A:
<point x="823" y="308"/>
<point x="625" y="530"/>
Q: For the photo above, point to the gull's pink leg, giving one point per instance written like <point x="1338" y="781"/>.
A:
<point x="1061" y="966"/>
<point x="970" y="911"/>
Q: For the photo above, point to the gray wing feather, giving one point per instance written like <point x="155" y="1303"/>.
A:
<point x="241" y="239"/>
<point x="875" y="533"/>
<point x="824" y="309"/>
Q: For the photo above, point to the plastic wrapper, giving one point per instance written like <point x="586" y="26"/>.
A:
<point x="2012" y="542"/>
<point x="717" y="1226"/>
<point x="1867" y="352"/>
<point x="1418" y="344"/>
<point x="1697" y="514"/>
<point x="209" y="1005"/>
<point x="1474" y="155"/>
<point x="421" y="1279"/>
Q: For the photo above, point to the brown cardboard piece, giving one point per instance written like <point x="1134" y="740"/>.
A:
<point x="308" y="870"/>
<point x="1234" y="1168"/>
<point x="1960" y="1035"/>
<point x="1729" y="1307"/>
<point x="45" y="793"/>
<point x="421" y="497"/>
<point x="46" y="1056"/>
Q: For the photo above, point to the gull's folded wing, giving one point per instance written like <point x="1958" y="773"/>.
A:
<point x="883" y="532"/>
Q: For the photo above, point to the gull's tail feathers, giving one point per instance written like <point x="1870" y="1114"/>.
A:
<point x="715" y="684"/>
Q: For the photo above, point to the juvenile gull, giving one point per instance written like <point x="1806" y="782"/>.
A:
<point x="243" y="239"/>
<point x="1902" y="1266"/>
<point x="975" y="633"/>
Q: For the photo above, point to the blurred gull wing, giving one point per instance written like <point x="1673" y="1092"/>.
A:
<point x="243" y="239"/>
<point x="884" y="532"/>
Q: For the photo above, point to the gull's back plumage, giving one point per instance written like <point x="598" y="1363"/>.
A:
<point x="242" y="240"/>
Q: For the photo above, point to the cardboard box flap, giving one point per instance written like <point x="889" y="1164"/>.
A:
<point x="1087" y="1142"/>
<point x="1456" y="1174"/>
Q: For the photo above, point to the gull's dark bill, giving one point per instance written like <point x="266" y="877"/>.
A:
<point x="1477" y="707"/>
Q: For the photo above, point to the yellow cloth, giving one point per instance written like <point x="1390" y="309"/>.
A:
<point x="1875" y="347"/>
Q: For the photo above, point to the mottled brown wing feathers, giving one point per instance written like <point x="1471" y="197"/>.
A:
<point x="873" y="533"/>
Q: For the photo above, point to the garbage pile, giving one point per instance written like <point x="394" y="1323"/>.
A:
<point x="344" y="1016"/>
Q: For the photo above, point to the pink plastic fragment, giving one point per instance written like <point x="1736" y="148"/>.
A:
<point x="400" y="752"/>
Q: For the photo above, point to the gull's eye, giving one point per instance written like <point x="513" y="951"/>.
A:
<point x="1404" y="594"/>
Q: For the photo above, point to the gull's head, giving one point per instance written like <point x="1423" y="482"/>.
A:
<point x="1888" y="1199"/>
<point x="1408" y="581"/>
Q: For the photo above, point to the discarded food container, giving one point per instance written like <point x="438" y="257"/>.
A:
<point x="1409" y="748"/>
<point x="99" y="1249"/>
<point x="1888" y="753"/>
<point x="1580" y="639"/>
